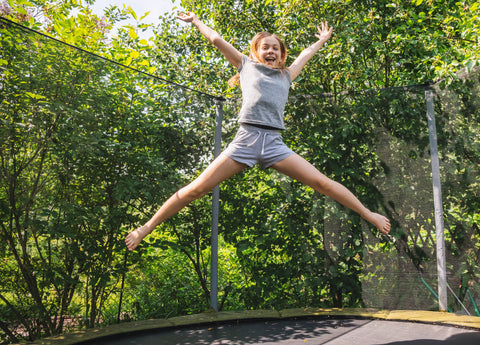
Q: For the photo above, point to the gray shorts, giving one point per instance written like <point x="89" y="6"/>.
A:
<point x="254" y="145"/>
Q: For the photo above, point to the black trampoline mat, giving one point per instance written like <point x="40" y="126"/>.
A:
<point x="348" y="331"/>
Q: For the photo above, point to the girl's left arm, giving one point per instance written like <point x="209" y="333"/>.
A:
<point x="324" y="33"/>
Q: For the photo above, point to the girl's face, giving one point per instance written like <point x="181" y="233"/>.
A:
<point x="269" y="52"/>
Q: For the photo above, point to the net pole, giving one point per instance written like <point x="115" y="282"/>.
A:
<point x="215" y="211"/>
<point x="437" y="200"/>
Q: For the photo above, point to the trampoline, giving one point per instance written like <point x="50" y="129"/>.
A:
<point x="292" y="326"/>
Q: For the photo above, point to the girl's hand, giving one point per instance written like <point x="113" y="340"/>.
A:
<point x="187" y="17"/>
<point x="324" y="32"/>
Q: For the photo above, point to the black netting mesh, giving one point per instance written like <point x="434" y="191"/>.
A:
<point x="383" y="155"/>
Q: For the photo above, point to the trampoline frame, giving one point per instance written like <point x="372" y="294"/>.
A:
<point x="211" y="317"/>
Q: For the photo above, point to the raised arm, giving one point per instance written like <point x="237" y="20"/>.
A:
<point x="230" y="52"/>
<point x="324" y="33"/>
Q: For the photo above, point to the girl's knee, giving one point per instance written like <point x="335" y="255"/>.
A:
<point x="193" y="191"/>
<point x="324" y="185"/>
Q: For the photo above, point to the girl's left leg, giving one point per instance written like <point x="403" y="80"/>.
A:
<point x="299" y="169"/>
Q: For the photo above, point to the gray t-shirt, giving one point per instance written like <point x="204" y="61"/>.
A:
<point x="264" y="94"/>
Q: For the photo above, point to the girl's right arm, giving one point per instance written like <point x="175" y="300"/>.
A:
<point x="230" y="52"/>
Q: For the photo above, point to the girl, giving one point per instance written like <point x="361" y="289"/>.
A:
<point x="264" y="81"/>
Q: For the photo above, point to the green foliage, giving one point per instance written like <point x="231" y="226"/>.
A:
<point x="281" y="245"/>
<point x="162" y="285"/>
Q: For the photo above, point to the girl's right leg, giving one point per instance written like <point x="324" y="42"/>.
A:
<point x="219" y="170"/>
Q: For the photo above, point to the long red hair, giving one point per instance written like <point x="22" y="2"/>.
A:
<point x="254" y="49"/>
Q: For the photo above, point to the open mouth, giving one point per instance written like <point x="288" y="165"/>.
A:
<point x="270" y="59"/>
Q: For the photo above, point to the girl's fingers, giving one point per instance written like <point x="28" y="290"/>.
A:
<point x="325" y="29"/>
<point x="187" y="16"/>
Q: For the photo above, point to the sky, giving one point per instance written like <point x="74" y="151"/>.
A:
<point x="139" y="6"/>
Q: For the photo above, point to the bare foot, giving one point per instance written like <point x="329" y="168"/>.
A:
<point x="382" y="223"/>
<point x="134" y="238"/>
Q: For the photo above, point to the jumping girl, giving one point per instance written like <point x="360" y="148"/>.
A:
<point x="264" y="81"/>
